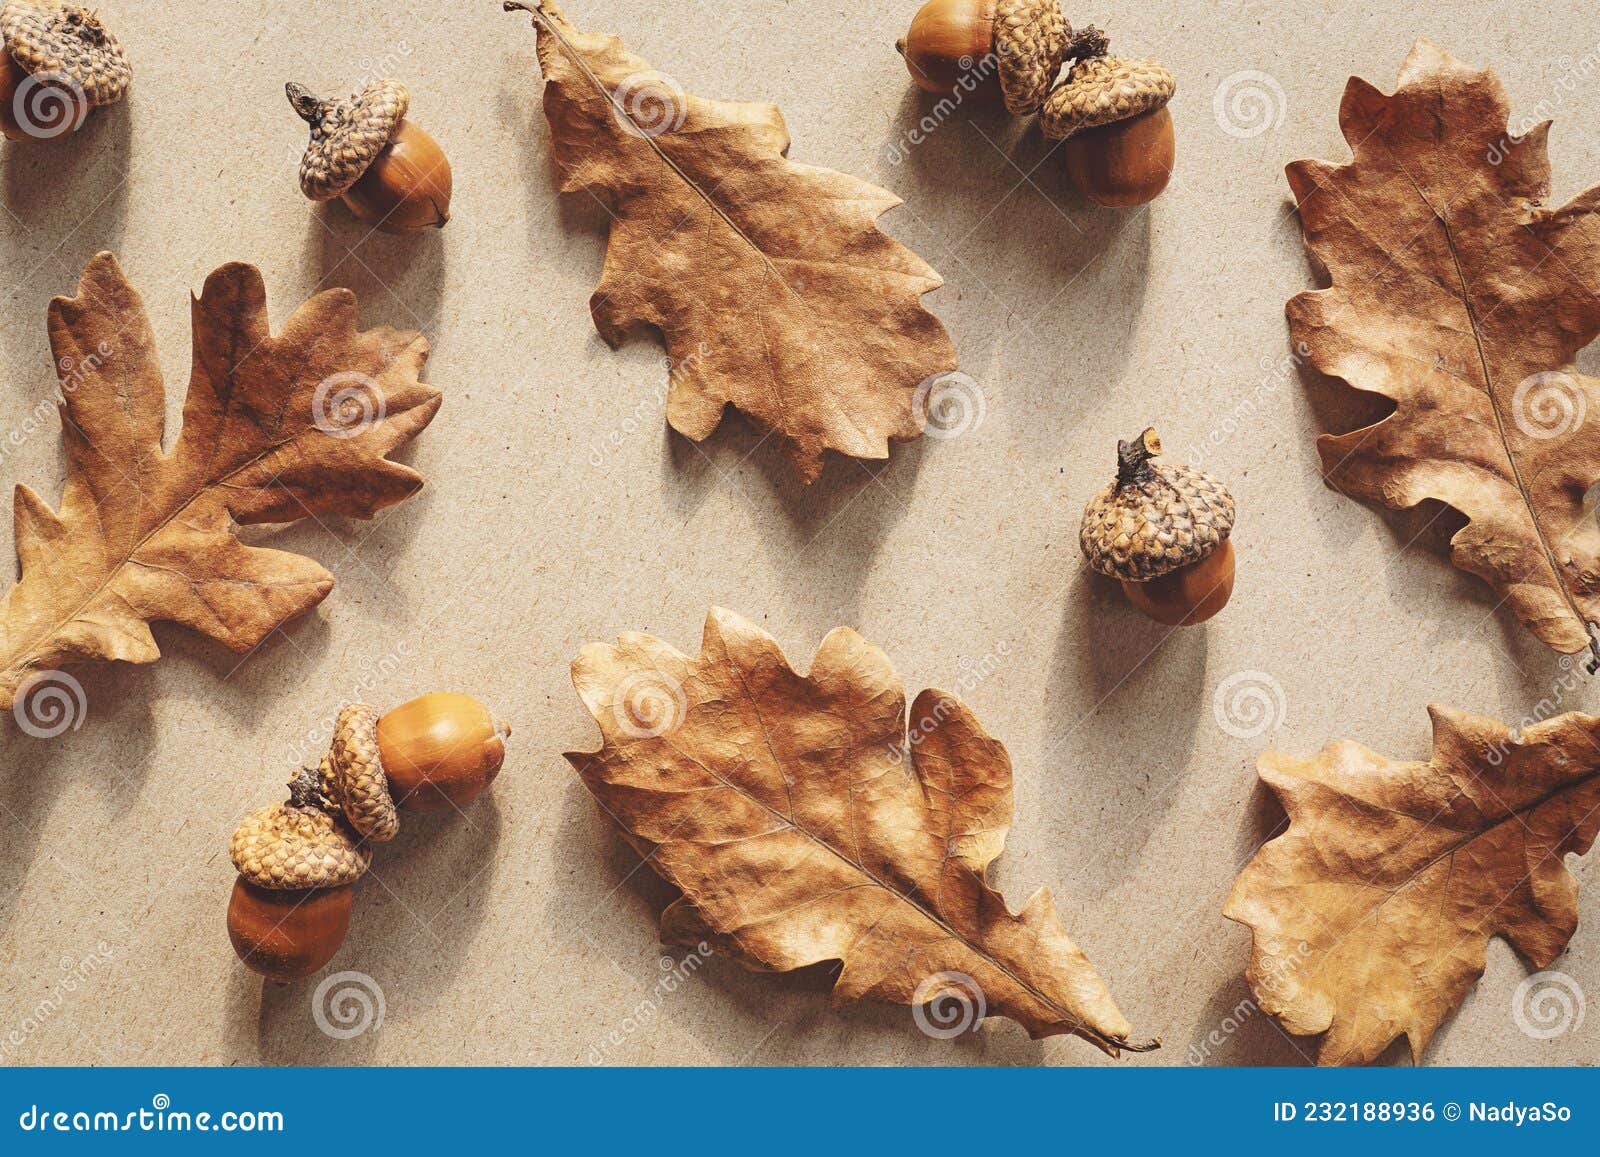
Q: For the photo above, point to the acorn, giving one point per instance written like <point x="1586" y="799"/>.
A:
<point x="440" y="751"/>
<point x="57" y="64"/>
<point x="1163" y="530"/>
<point x="287" y="935"/>
<point x="388" y="171"/>
<point x="291" y="902"/>
<point x="360" y="786"/>
<point x="987" y="50"/>
<point x="1112" y="114"/>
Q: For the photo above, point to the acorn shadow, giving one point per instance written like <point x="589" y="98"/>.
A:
<point x="398" y="280"/>
<point x="417" y="912"/>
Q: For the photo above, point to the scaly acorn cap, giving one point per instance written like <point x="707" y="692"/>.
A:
<point x="298" y="844"/>
<point x="1154" y="518"/>
<point x="1102" y="90"/>
<point x="67" y="47"/>
<point x="360" y="784"/>
<point x="1030" y="42"/>
<point x="346" y="135"/>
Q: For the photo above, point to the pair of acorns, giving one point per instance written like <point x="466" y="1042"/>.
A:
<point x="58" y="62"/>
<point x="298" y="861"/>
<point x="1164" y="531"/>
<point x="1111" y="112"/>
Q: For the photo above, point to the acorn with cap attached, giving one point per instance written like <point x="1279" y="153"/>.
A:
<point x="1112" y="114"/>
<point x="388" y="171"/>
<point x="59" y="63"/>
<point x="1163" y="530"/>
<point x="987" y="50"/>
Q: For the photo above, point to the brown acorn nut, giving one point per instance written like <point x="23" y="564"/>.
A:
<point x="987" y="50"/>
<point x="287" y="935"/>
<point x="388" y="171"/>
<point x="440" y="751"/>
<point x="1163" y="530"/>
<point x="57" y="64"/>
<point x="1112" y="114"/>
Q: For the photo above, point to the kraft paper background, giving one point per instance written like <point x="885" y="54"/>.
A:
<point x="559" y="510"/>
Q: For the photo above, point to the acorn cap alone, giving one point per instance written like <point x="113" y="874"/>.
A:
<point x="66" y="46"/>
<point x="1103" y="90"/>
<point x="1030" y="42"/>
<point x="1154" y="518"/>
<point x="290" y="846"/>
<point x="361" y="787"/>
<point x="346" y="135"/>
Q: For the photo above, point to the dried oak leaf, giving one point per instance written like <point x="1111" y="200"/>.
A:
<point x="781" y="806"/>
<point x="1456" y="294"/>
<point x="769" y="281"/>
<point x="1371" y="914"/>
<point x="275" y="429"/>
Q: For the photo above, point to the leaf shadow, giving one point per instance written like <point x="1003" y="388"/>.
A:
<point x="416" y="915"/>
<point x="113" y="747"/>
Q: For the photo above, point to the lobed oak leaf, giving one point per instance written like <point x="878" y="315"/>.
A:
<point x="1456" y="294"/>
<point x="275" y="429"/>
<point x="782" y="807"/>
<point x="1372" y="913"/>
<point x="770" y="283"/>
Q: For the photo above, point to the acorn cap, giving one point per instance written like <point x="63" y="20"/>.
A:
<point x="1154" y="518"/>
<point x="1030" y="42"/>
<point x="346" y="135"/>
<point x="66" y="46"/>
<point x="1102" y="90"/>
<point x="360" y="785"/>
<point x="297" y="844"/>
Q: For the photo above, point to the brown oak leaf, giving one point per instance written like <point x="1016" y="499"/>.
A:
<point x="275" y="429"/>
<point x="1372" y="913"/>
<point x="1456" y="294"/>
<point x="782" y="807"/>
<point x="769" y="281"/>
